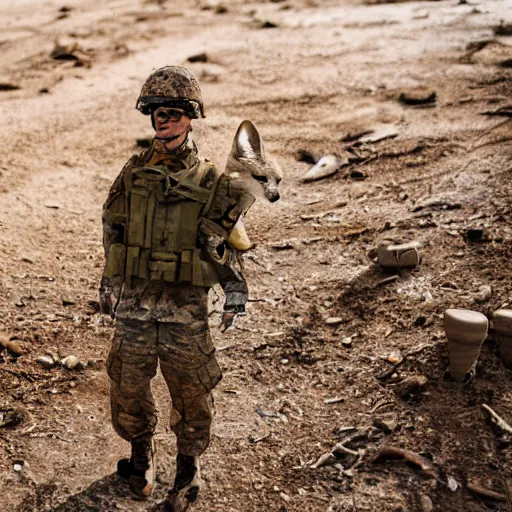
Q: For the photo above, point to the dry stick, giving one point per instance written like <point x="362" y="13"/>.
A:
<point x="497" y="420"/>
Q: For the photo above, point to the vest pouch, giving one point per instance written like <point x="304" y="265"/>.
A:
<point x="115" y="261"/>
<point x="186" y="266"/>
<point x="132" y="262"/>
<point x="163" y="270"/>
<point x="137" y="222"/>
<point x="203" y="272"/>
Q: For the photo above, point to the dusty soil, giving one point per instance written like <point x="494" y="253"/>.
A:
<point x="293" y="385"/>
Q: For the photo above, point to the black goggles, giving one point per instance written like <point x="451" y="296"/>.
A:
<point x="165" y="114"/>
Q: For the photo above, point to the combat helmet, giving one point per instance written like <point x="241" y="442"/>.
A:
<point x="173" y="86"/>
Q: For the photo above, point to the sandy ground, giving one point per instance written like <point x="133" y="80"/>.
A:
<point x="293" y="385"/>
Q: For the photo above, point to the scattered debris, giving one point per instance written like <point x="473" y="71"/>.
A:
<point x="418" y="98"/>
<point x="453" y="485"/>
<point x="354" y="136"/>
<point x="70" y="362"/>
<point x="388" y="426"/>
<point x="325" y="167"/>
<point x="411" y="385"/>
<point x="476" y="488"/>
<point x="388" y="280"/>
<point x="426" y="503"/>
<point x="390" y="256"/>
<point x="46" y="361"/>
<point x="7" y="86"/>
<point x="378" y="134"/>
<point x="10" y="417"/>
<point x="72" y="52"/>
<point x="435" y="204"/>
<point x="334" y="320"/>
<point x="198" y="57"/>
<point x="13" y="346"/>
<point x="291" y="243"/>
<point x="304" y="155"/>
<point x="484" y="293"/>
<point x="505" y="111"/>
<point x="267" y="24"/>
<point x="503" y="29"/>
<point x="391" y="452"/>
<point x="335" y="400"/>
<point x="474" y="235"/>
<point x="497" y="420"/>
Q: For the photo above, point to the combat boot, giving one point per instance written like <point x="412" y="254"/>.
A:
<point x="187" y="484"/>
<point x="140" y="470"/>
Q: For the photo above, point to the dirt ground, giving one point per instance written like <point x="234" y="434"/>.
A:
<point x="294" y="385"/>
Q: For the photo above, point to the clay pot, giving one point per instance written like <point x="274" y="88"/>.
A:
<point x="466" y="331"/>
<point x="503" y="334"/>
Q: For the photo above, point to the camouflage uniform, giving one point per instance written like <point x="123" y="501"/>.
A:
<point x="162" y="320"/>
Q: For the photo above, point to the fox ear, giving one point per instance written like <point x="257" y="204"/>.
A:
<point x="247" y="142"/>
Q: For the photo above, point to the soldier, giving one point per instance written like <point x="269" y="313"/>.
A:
<point x="166" y="230"/>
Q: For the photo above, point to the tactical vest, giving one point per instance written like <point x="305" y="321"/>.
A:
<point x="162" y="225"/>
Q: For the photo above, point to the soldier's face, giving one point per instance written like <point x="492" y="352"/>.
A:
<point x="170" y="122"/>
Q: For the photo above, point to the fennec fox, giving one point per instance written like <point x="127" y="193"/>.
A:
<point x="249" y="174"/>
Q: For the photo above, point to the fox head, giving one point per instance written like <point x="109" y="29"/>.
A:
<point x="248" y="164"/>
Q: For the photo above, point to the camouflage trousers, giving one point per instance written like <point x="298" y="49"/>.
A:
<point x="188" y="364"/>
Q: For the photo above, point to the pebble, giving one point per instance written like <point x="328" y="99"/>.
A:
<point x="426" y="503"/>
<point x="334" y="320"/>
<point x="46" y="361"/>
<point x="18" y="468"/>
<point x="70" y="362"/>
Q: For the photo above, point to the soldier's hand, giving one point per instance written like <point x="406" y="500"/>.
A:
<point x="229" y="318"/>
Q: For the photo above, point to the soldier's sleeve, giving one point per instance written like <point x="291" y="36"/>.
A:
<point x="215" y="226"/>
<point x="114" y="222"/>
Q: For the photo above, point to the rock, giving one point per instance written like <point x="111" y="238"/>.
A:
<point x="12" y="346"/>
<point x="453" y="485"/>
<point x="484" y="293"/>
<point x="358" y="175"/>
<point x="67" y="302"/>
<point x="347" y="341"/>
<point x="418" y="97"/>
<point x="426" y="503"/>
<point x="388" y="426"/>
<point x="325" y="167"/>
<point x="503" y="29"/>
<point x="70" y="362"/>
<point x="18" y="467"/>
<point x="334" y="320"/>
<point x="395" y="357"/>
<point x="474" y="235"/>
<point x="46" y="361"/>
<point x="379" y="133"/>
<point x="198" y="57"/>
<point x="221" y="9"/>
<point x="411" y="385"/>
<point x="7" y="86"/>
<point x="70" y="51"/>
<point x="268" y="24"/>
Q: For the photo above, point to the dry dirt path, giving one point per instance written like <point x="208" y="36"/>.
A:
<point x="327" y="70"/>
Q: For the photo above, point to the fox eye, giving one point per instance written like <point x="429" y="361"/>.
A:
<point x="261" y="179"/>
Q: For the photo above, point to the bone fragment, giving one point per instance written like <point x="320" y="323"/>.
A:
<point x="497" y="420"/>
<point x="391" y="452"/>
<point x="466" y="330"/>
<point x="325" y="167"/>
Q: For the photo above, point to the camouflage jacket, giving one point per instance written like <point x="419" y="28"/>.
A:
<point x="155" y="300"/>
